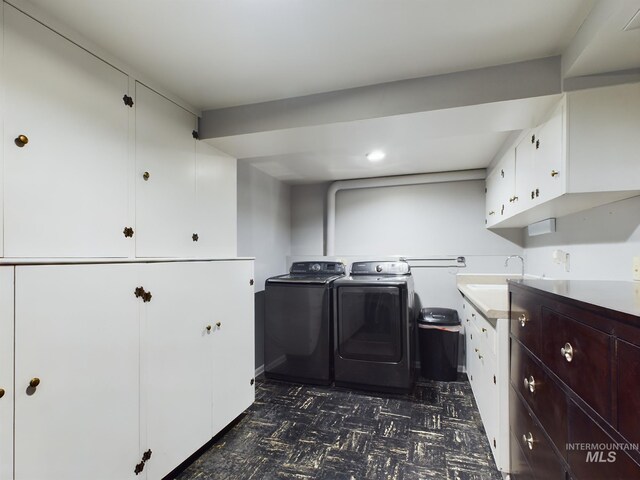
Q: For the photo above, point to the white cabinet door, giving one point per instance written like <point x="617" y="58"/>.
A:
<point x="525" y="177"/>
<point x="165" y="150"/>
<point x="233" y="341"/>
<point x="6" y="373"/>
<point x="65" y="191"/>
<point x="549" y="159"/>
<point x="77" y="331"/>
<point x="492" y="207"/>
<point x="216" y="203"/>
<point x="177" y="362"/>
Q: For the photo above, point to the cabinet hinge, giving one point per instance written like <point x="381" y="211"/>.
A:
<point x="494" y="379"/>
<point x="128" y="101"/>
<point x="533" y="139"/>
<point x="494" y="443"/>
<point x="195" y="134"/>
<point x="251" y="281"/>
<point x="502" y="173"/>
<point x="145" y="458"/>
<point x="128" y="232"/>
<point x="252" y="381"/>
<point x="140" y="292"/>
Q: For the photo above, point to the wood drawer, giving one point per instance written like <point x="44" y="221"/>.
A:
<point x="520" y="469"/>
<point x="586" y="364"/>
<point x="541" y="393"/>
<point x="536" y="447"/>
<point x="525" y="320"/>
<point x="588" y="464"/>
<point x="628" y="358"/>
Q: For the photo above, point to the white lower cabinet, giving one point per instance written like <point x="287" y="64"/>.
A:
<point x="487" y="364"/>
<point x="77" y="334"/>
<point x="177" y="362"/>
<point x="233" y="323"/>
<point x="6" y="372"/>
<point x="113" y="361"/>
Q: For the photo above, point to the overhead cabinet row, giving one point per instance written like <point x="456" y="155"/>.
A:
<point x="121" y="371"/>
<point x="99" y="165"/>
<point x="585" y="154"/>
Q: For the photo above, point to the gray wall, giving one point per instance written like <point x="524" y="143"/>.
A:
<point x="264" y="232"/>
<point x="416" y="221"/>
<point x="601" y="243"/>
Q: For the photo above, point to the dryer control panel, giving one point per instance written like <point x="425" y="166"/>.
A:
<point x="399" y="267"/>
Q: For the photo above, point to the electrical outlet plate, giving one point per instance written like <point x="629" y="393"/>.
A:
<point x="636" y="268"/>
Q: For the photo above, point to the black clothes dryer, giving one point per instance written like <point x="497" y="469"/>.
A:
<point x="374" y="322"/>
<point x="298" y="323"/>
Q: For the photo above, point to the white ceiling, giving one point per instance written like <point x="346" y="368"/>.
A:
<point x="217" y="53"/>
<point x="221" y="53"/>
<point x="435" y="141"/>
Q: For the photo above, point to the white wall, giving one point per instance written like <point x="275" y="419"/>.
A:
<point x="601" y="243"/>
<point x="308" y="218"/>
<point x="264" y="232"/>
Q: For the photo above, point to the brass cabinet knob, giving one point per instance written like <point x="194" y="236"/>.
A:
<point x="21" y="140"/>
<point x="208" y="328"/>
<point x="35" y="381"/>
<point x="146" y="176"/>
<point x="530" y="384"/>
<point x="218" y="324"/>
<point x="2" y="392"/>
<point x="476" y="350"/>
<point x="555" y="173"/>
<point x="528" y="439"/>
<point x="480" y="357"/>
<point x="522" y="319"/>
<point x="484" y="330"/>
<point x="567" y="352"/>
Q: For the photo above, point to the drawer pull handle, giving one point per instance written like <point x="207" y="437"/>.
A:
<point x="530" y="384"/>
<point x="567" y="352"/>
<point x="528" y="439"/>
<point x="522" y="319"/>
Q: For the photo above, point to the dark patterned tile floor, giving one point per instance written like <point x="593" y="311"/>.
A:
<point x="324" y="433"/>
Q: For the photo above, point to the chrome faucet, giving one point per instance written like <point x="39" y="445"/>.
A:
<point x="506" y="262"/>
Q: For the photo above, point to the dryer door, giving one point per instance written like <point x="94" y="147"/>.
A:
<point x="370" y="323"/>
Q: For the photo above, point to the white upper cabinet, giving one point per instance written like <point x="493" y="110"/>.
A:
<point x="215" y="202"/>
<point x="501" y="189"/>
<point x="584" y="155"/>
<point x="65" y="191"/>
<point x="165" y="177"/>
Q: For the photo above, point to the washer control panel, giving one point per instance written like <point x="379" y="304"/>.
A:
<point x="318" y="268"/>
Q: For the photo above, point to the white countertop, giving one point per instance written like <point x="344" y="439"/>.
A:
<point x="487" y="292"/>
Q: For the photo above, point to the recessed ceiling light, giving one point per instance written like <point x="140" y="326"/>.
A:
<point x="375" y="156"/>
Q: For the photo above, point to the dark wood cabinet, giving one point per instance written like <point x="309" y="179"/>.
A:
<point x="525" y="320"/>
<point x="580" y="356"/>
<point x="575" y="400"/>
<point x="628" y="390"/>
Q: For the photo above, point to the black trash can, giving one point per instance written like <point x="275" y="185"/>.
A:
<point x="438" y="331"/>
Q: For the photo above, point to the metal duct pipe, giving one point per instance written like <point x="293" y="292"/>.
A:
<point x="396" y="181"/>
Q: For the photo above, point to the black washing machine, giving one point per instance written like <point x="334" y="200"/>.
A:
<point x="298" y="324"/>
<point x="374" y="322"/>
